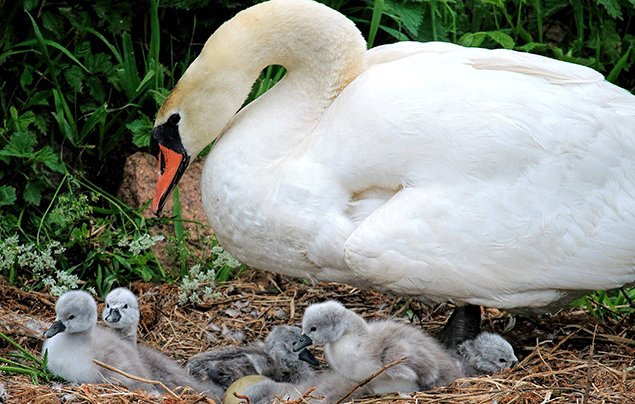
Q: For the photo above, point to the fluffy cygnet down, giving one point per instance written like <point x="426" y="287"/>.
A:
<point x="74" y="340"/>
<point x="356" y="349"/>
<point x="488" y="353"/>
<point x="274" y="358"/>
<point x="329" y="388"/>
<point x="121" y="313"/>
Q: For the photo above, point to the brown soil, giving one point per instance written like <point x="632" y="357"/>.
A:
<point x="568" y="357"/>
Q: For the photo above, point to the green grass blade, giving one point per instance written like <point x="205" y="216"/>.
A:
<point x="24" y="351"/>
<point x="114" y="50"/>
<point x="378" y="11"/>
<point x="130" y="74"/>
<point x="619" y="66"/>
<point x="155" y="43"/>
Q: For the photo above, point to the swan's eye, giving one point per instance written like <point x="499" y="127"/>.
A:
<point x="107" y="306"/>
<point x="313" y="328"/>
<point x="174" y="119"/>
<point x="125" y="306"/>
<point x="72" y="316"/>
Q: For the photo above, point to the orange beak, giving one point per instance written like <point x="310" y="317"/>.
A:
<point x="171" y="167"/>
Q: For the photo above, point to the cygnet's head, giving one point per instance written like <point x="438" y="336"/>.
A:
<point x="324" y="323"/>
<point x="488" y="353"/>
<point x="279" y="345"/>
<point x="75" y="312"/>
<point x="122" y="309"/>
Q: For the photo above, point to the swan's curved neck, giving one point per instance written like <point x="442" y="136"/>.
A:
<point x="313" y="42"/>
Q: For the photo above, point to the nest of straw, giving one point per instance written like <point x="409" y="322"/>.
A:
<point x="567" y="357"/>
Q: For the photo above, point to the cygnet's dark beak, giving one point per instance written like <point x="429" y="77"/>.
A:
<point x="302" y="342"/>
<point x="307" y="356"/>
<point x="55" y="329"/>
<point x="114" y="316"/>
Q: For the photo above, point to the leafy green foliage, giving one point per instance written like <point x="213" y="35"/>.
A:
<point x="608" y="303"/>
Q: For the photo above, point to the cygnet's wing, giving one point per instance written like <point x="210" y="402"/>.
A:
<point x="226" y="365"/>
<point x="428" y="364"/>
<point x="110" y="349"/>
<point x="173" y="375"/>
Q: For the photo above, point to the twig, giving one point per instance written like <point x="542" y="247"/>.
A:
<point x="137" y="378"/>
<point x="589" y="372"/>
<point x="369" y="378"/>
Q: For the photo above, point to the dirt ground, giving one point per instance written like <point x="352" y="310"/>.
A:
<point x="568" y="357"/>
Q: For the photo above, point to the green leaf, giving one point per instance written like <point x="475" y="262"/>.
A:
<point x="7" y="195"/>
<point x="43" y="122"/>
<point x="75" y="78"/>
<point x="503" y="40"/>
<point x="30" y="4"/>
<point x="33" y="192"/>
<point x="47" y="156"/>
<point x="98" y="116"/>
<point x="612" y="7"/>
<point x="26" y="78"/>
<point x="141" y="130"/>
<point x="54" y="23"/>
<point x="41" y="99"/>
<point x="99" y="62"/>
<point x="96" y="89"/>
<point x="20" y="145"/>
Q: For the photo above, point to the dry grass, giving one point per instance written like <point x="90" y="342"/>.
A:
<point x="568" y="357"/>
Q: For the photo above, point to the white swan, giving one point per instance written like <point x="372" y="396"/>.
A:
<point x="74" y="340"/>
<point x="356" y="349"/>
<point x="488" y="177"/>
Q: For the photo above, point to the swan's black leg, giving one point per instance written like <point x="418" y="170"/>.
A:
<point x="463" y="324"/>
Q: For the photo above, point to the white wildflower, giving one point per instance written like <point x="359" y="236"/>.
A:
<point x="142" y="243"/>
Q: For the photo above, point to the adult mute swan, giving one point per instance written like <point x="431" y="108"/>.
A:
<point x="488" y="177"/>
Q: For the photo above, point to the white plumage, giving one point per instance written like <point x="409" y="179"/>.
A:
<point x="488" y="177"/>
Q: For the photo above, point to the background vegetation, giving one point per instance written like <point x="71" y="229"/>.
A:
<point x="81" y="82"/>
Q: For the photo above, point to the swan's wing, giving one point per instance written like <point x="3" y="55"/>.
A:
<point x="506" y="184"/>
<point x="482" y="59"/>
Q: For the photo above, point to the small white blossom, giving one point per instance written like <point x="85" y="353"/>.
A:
<point x="142" y="243"/>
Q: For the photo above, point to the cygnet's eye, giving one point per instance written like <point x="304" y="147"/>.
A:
<point x="314" y="328"/>
<point x="502" y="360"/>
<point x="125" y="306"/>
<point x="107" y="306"/>
<point x="72" y="316"/>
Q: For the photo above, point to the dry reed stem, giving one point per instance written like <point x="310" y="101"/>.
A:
<point x="137" y="378"/>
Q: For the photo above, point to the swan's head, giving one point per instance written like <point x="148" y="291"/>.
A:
<point x="303" y="36"/>
<point x="121" y="310"/>
<point x="75" y="312"/>
<point x="488" y="353"/>
<point x="325" y="323"/>
<point x="279" y="345"/>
